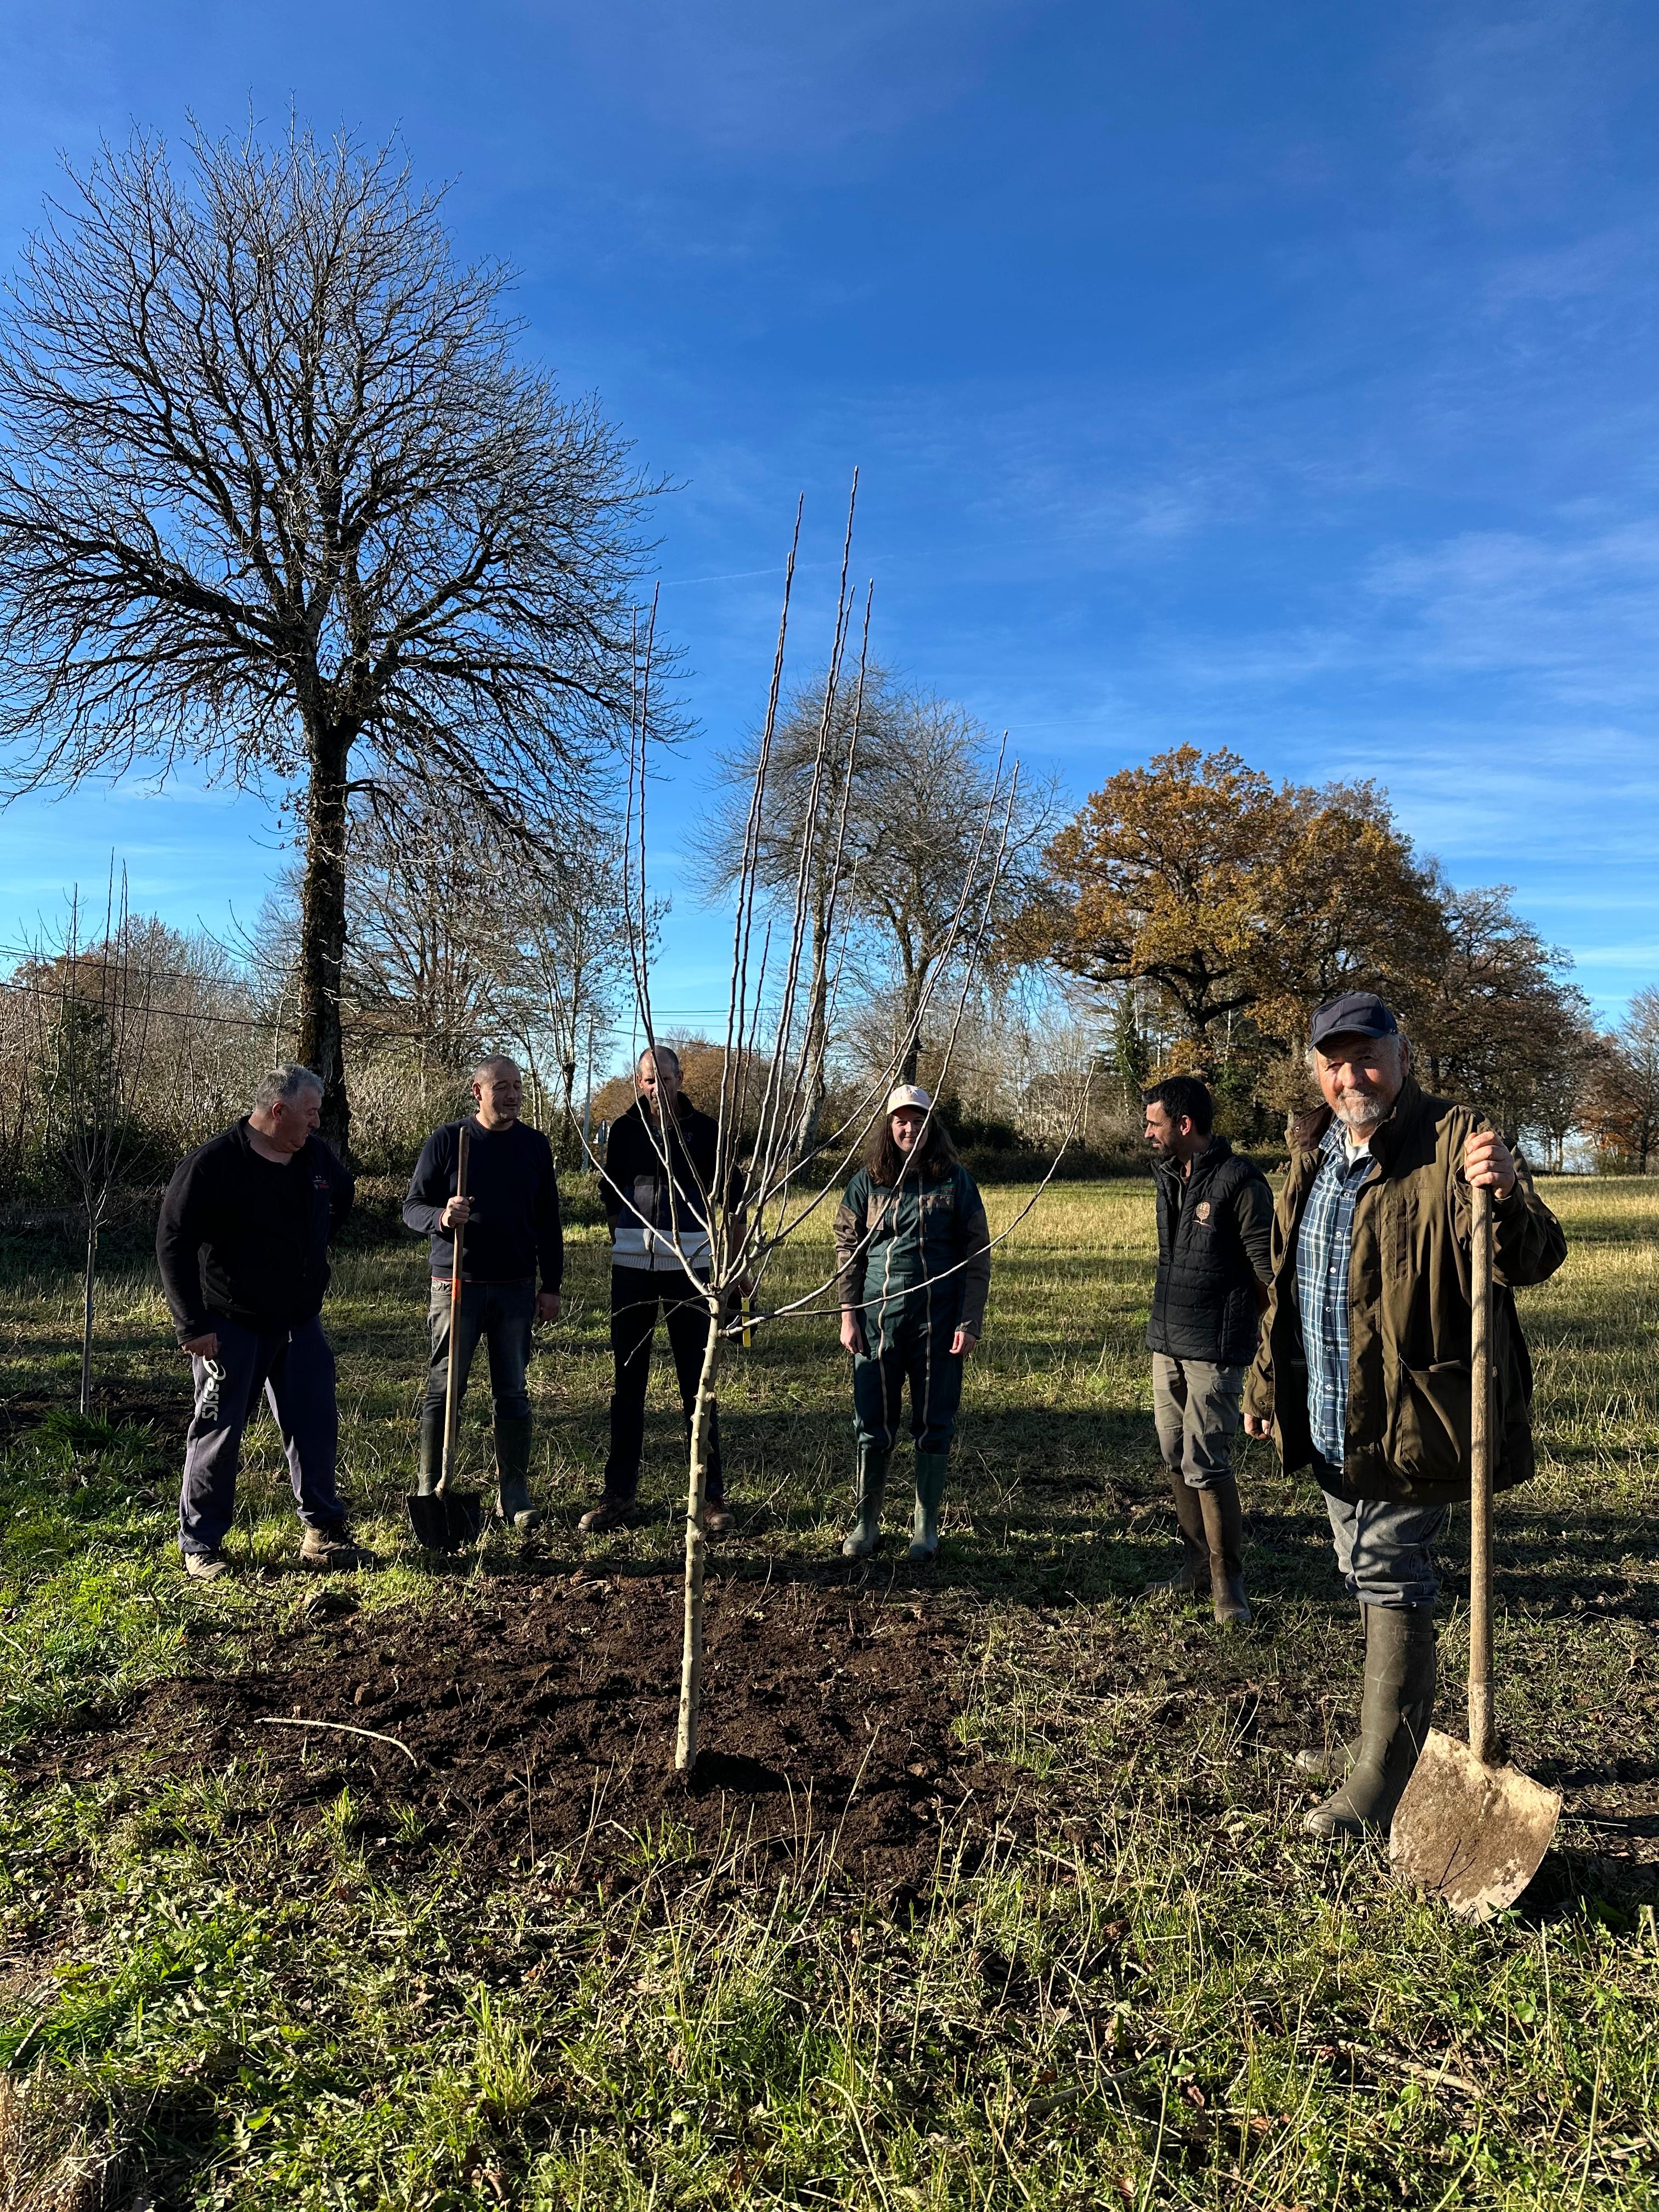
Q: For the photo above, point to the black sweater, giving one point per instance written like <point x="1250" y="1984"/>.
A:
<point x="515" y="1229"/>
<point x="243" y="1239"/>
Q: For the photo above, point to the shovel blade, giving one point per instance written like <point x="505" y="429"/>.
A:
<point x="448" y="1524"/>
<point x="1474" y="1834"/>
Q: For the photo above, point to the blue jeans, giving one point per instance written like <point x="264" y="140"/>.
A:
<point x="502" y="1314"/>
<point x="1382" y="1547"/>
<point x="296" y="1369"/>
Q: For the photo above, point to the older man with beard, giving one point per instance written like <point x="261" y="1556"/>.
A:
<point x="1363" y="1372"/>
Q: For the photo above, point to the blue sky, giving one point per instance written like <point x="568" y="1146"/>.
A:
<point x="1279" y="377"/>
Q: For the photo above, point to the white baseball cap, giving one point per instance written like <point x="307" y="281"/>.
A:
<point x="908" y="1094"/>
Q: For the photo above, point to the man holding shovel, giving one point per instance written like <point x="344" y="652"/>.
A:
<point x="1363" y="1369"/>
<point x="513" y="1238"/>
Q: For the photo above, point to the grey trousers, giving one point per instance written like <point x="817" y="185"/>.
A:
<point x="1382" y="1548"/>
<point x="1195" y="1404"/>
<point x="503" y="1315"/>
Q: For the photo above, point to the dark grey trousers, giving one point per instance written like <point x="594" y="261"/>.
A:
<point x="503" y="1315"/>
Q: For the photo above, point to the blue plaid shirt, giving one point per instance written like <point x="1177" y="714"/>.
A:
<point x="1322" y="1246"/>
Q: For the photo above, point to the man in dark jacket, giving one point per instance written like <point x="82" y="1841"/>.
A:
<point x="513" y="1236"/>
<point x="1363" y="1372"/>
<point x="1215" y="1238"/>
<point x="242" y="1244"/>
<point x="659" y="1173"/>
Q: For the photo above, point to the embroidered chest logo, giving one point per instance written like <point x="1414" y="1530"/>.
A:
<point x="1203" y="1209"/>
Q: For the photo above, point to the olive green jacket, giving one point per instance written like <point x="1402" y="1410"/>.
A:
<point x="1409" y="1392"/>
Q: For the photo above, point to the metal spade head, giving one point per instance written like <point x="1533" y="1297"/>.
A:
<point x="1474" y="1834"/>
<point x="446" y="1521"/>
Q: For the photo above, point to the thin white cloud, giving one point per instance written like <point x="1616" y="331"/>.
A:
<point x="750" y="77"/>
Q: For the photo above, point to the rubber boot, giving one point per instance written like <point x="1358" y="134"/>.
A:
<point x="930" y="1489"/>
<point x="1194" y="1572"/>
<point x="1224" y="1534"/>
<point x="513" y="1471"/>
<point x="432" y="1449"/>
<point x="1394" y="1719"/>
<point x="1331" y="1762"/>
<point x="865" y="1535"/>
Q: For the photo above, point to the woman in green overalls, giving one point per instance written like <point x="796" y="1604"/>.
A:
<point x="913" y="1256"/>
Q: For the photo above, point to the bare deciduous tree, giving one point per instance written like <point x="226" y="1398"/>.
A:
<point x="1498" y="1024"/>
<point x="916" y="772"/>
<point x="277" y="499"/>
<point x="1619" y="1109"/>
<point x="561" y="988"/>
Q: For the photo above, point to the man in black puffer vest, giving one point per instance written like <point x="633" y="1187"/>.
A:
<point x="1215" y="1214"/>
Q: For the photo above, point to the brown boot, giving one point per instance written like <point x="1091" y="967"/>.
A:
<point x="1193" y="1574"/>
<point x="331" y="1550"/>
<point x="609" y="1513"/>
<point x="1224" y="1532"/>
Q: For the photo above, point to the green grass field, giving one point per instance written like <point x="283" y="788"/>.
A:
<point x="1150" y="1989"/>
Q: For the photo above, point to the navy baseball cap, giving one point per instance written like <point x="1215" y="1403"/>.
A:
<point x="1355" y="1014"/>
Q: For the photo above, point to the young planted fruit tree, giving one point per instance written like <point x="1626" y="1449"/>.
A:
<point x="789" y="953"/>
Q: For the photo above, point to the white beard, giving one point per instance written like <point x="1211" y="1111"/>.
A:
<point x="1360" y="1113"/>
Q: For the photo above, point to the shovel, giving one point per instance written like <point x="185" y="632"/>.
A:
<point x="450" y="1518"/>
<point x="1473" y="1831"/>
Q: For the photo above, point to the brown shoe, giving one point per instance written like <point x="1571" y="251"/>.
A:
<point x="609" y="1513"/>
<point x="718" y="1518"/>
<point x="206" y="1566"/>
<point x="330" y="1550"/>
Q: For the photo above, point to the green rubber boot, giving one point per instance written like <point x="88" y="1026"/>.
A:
<point x="864" y="1536"/>
<point x="1223" y="1531"/>
<point x="930" y="1489"/>
<point x="1394" y="1719"/>
<point x="1193" y="1574"/>
<point x="513" y="1470"/>
<point x="1331" y="1762"/>
<point x="432" y="1450"/>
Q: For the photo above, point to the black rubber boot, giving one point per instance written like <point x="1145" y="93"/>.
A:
<point x="931" y="1467"/>
<point x="513" y="1471"/>
<point x="865" y="1535"/>
<point x="1393" y="1720"/>
<point x="1193" y="1574"/>
<point x="432" y="1450"/>
<point x="1223" y="1533"/>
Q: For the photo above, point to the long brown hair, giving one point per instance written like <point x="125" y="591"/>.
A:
<point x="929" y="1162"/>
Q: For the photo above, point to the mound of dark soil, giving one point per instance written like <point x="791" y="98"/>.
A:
<point x="544" y="1719"/>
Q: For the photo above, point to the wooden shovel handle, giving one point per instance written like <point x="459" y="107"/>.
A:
<point x="1480" y="1452"/>
<point x="452" y="1394"/>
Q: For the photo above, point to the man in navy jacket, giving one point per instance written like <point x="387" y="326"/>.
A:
<point x="242" y="1244"/>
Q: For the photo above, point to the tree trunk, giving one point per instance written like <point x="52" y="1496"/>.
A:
<point x="323" y="931"/>
<point x="86" y="1315"/>
<point x="914" y="988"/>
<point x="685" y="1745"/>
